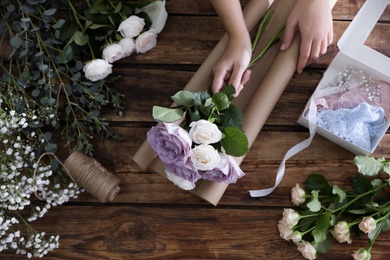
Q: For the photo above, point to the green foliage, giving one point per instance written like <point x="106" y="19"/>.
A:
<point x="216" y="108"/>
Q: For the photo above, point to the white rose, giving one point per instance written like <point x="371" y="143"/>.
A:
<point x="97" y="69"/>
<point x="367" y="225"/>
<point x="146" y="41"/>
<point x="179" y="181"/>
<point x="204" y="132"/>
<point x="307" y="250"/>
<point x="113" y="52"/>
<point x="131" y="27"/>
<point x="204" y="157"/>
<point x="157" y="14"/>
<point x="298" y="195"/>
<point x="128" y="45"/>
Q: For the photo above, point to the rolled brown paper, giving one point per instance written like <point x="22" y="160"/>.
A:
<point x="269" y="78"/>
<point x="92" y="176"/>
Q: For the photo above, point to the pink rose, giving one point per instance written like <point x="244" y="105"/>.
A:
<point x="367" y="225"/>
<point x="290" y="217"/>
<point x="361" y="254"/>
<point x="298" y="195"/>
<point x="146" y="41"/>
<point x="341" y="232"/>
<point x="307" y="250"/>
<point x="284" y="230"/>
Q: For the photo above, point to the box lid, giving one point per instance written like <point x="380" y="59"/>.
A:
<point x="352" y="41"/>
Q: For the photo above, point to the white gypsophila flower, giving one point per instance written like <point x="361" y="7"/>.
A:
<point x="157" y="14"/>
<point x="113" y="52"/>
<point x="97" y="69"/>
<point x="146" y="41"/>
<point x="128" y="46"/>
<point x="131" y="27"/>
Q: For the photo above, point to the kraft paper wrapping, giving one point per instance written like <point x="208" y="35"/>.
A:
<point x="269" y="78"/>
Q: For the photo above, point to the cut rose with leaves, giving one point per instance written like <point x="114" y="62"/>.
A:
<point x="290" y="217"/>
<point x="284" y="231"/>
<point x="132" y="26"/>
<point x="113" y="52"/>
<point x="361" y="254"/>
<point x="204" y="132"/>
<point x="97" y="69"/>
<point x="171" y="142"/>
<point x="227" y="171"/>
<point x="146" y="41"/>
<point x="298" y="195"/>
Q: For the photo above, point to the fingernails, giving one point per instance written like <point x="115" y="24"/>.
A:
<point x="283" y="47"/>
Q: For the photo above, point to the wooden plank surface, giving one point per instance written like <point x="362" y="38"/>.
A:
<point x="151" y="218"/>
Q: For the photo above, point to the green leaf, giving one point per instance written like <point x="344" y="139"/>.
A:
<point x="80" y="38"/>
<point x="357" y="211"/>
<point x="221" y="101"/>
<point x="319" y="235"/>
<point x="372" y="235"/>
<point x="184" y="98"/>
<point x="232" y="117"/>
<point x="339" y="192"/>
<point x="318" y="182"/>
<point x="118" y="8"/>
<point x="50" y="12"/>
<point x="235" y="142"/>
<point x="229" y="90"/>
<point x="314" y="204"/>
<point x="361" y="184"/>
<point x="66" y="54"/>
<point x="325" y="246"/>
<point x="168" y="115"/>
<point x="369" y="165"/>
<point x="16" y="41"/>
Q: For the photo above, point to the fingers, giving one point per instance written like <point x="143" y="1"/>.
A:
<point x="237" y="76"/>
<point x="288" y="36"/>
<point x="220" y="78"/>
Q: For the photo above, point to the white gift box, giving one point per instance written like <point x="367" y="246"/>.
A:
<point x="353" y="52"/>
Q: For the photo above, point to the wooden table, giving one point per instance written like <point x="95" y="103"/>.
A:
<point x="153" y="219"/>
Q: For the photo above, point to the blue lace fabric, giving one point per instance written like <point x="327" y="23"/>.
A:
<point x="359" y="125"/>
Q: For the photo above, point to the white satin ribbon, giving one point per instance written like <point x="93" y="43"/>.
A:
<point x="312" y="117"/>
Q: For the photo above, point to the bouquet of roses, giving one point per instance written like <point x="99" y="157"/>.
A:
<point x="330" y="212"/>
<point x="197" y="138"/>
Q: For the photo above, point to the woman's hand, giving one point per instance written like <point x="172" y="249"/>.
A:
<point x="313" y="19"/>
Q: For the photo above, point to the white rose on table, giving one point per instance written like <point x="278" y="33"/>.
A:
<point x="307" y="250"/>
<point x="146" y="41"/>
<point x="113" y="52"/>
<point x="128" y="45"/>
<point x="97" y="69"/>
<point x="204" y="132"/>
<point x="157" y="14"/>
<point x="204" y="157"/>
<point x="131" y="27"/>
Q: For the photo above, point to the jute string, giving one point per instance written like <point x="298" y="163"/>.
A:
<point x="90" y="175"/>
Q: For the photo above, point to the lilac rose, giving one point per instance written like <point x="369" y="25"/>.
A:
<point x="184" y="170"/>
<point x="170" y="142"/>
<point x="226" y="171"/>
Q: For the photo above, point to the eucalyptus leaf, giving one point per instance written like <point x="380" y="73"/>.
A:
<point x="80" y="38"/>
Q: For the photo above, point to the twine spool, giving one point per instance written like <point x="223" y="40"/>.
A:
<point x="92" y="176"/>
